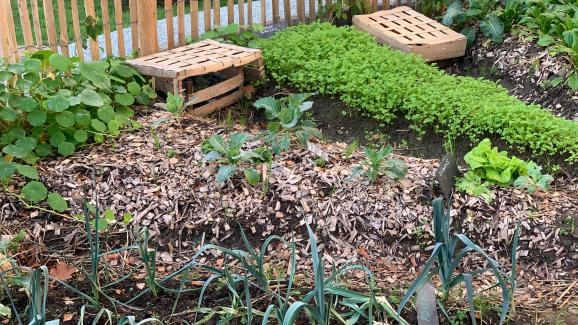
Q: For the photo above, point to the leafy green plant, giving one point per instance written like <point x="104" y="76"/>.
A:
<point x="376" y="163"/>
<point x="234" y="34"/>
<point x="286" y="118"/>
<point x="50" y="104"/>
<point x="175" y="104"/>
<point x="445" y="261"/>
<point x="343" y="10"/>
<point x="230" y="155"/>
<point x="384" y="84"/>
<point x="488" y="166"/>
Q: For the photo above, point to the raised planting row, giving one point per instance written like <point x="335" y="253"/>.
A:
<point x="384" y="83"/>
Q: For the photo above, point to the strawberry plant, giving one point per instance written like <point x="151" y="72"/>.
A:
<point x="53" y="105"/>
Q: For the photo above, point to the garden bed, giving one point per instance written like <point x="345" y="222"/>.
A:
<point x="163" y="182"/>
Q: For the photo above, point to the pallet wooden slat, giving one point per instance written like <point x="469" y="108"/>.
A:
<point x="133" y="8"/>
<point x="170" y="23"/>
<point x="119" y="27"/>
<point x="287" y="11"/>
<point x="25" y="22"/>
<point x="194" y="19"/>
<point x="147" y="17"/>
<point x="409" y="31"/>
<point x="181" y="22"/>
<point x="106" y="27"/>
<point x="241" y="6"/>
<point x="63" y="26"/>
<point x="230" y="12"/>
<point x="94" y="49"/>
<point x="249" y="12"/>
<point x="50" y="25"/>
<point x="207" y="14"/>
<point x="275" y="9"/>
<point x="216" y="13"/>
<point x="76" y="29"/>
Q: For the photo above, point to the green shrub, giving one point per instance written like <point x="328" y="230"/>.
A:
<point x="384" y="83"/>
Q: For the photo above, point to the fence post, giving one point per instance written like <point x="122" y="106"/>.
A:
<point x="147" y="21"/>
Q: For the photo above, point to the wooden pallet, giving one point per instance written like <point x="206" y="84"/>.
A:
<point x="407" y="30"/>
<point x="171" y="70"/>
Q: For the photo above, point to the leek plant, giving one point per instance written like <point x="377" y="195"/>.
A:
<point x="446" y="258"/>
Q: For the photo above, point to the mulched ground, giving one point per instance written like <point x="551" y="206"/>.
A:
<point x="387" y="225"/>
<point x="525" y="69"/>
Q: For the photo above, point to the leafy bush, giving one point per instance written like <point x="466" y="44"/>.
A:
<point x="384" y="83"/>
<point x="234" y="34"/>
<point x="50" y="104"/>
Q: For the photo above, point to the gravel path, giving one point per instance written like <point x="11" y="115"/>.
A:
<point x="162" y="26"/>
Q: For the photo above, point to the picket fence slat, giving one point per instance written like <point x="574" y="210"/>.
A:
<point x="194" y="19"/>
<point x="119" y="27"/>
<point x="76" y="29"/>
<point x="133" y="8"/>
<point x="170" y="26"/>
<point x="25" y="22"/>
<point x="106" y="27"/>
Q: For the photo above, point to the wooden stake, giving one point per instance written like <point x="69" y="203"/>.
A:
<point x="36" y="24"/>
<point x="89" y="9"/>
<point x="119" y="27"/>
<point x="181" y="21"/>
<point x="241" y="6"/>
<point x="170" y="26"/>
<point x="50" y="26"/>
<point x="263" y="4"/>
<point x="76" y="28"/>
<point x="311" y="10"/>
<point x="194" y="10"/>
<point x="275" y="7"/>
<point x="207" y="13"/>
<point x="134" y="25"/>
<point x="106" y="27"/>
<point x="287" y="11"/>
<point x="147" y="17"/>
<point x="25" y="22"/>
<point x="217" y="13"/>
<point x="250" y="12"/>
<point x="230" y="12"/>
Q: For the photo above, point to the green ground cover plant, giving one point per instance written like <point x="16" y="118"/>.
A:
<point x="384" y="83"/>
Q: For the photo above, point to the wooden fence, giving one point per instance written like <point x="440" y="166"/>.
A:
<point x="144" y="37"/>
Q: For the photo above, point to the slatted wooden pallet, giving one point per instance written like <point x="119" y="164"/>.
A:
<point x="407" y="30"/>
<point x="170" y="68"/>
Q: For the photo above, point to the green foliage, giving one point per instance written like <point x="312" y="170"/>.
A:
<point x="175" y="104"/>
<point x="385" y="83"/>
<point x="488" y="166"/>
<point x="375" y="163"/>
<point x="234" y="34"/>
<point x="343" y="10"/>
<point x="50" y="104"/>
<point x="229" y="154"/>
<point x="286" y="118"/>
<point x="446" y="259"/>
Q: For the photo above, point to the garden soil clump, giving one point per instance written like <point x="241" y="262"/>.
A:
<point x="164" y="182"/>
<point x="527" y="70"/>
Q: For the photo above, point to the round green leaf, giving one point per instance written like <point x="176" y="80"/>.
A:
<point x="25" y="104"/>
<point x="59" y="62"/>
<point x="98" y="138"/>
<point x="124" y="99"/>
<point x="57" y="103"/>
<point x="80" y="136"/>
<point x="65" y="119"/>
<point x="105" y="113"/>
<point x="43" y="149"/>
<point x="114" y="127"/>
<point x="82" y="117"/>
<point x="91" y="98"/>
<point x="57" y="202"/>
<point x="27" y="171"/>
<point x="36" y="118"/>
<point x="66" y="148"/>
<point x="8" y="114"/>
<point x="56" y="138"/>
<point x="34" y="192"/>
<point x="133" y="88"/>
<point x="98" y="125"/>
<point x="7" y="169"/>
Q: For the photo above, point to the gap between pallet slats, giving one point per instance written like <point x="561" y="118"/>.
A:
<point x="181" y="21"/>
<point x="194" y="19"/>
<point x="76" y="29"/>
<point x="25" y="22"/>
<point x="119" y="27"/>
<point x="106" y="27"/>
<point x="133" y="8"/>
<point x="170" y="23"/>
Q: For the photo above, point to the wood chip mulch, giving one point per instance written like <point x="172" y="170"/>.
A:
<point x="387" y="224"/>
